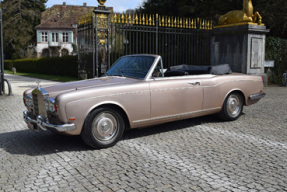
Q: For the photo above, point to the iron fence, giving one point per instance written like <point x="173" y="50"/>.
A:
<point x="177" y="40"/>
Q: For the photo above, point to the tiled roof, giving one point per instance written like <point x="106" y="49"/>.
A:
<point x="63" y="16"/>
<point x="54" y="22"/>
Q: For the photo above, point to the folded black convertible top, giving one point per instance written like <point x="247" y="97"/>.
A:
<point x="184" y="69"/>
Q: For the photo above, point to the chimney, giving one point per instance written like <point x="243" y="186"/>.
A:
<point x="85" y="5"/>
<point x="64" y="4"/>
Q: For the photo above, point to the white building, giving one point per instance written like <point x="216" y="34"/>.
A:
<point x="57" y="32"/>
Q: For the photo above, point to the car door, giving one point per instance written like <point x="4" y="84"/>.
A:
<point x="175" y="97"/>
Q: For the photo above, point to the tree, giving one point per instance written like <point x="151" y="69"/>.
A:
<point x="180" y="8"/>
<point x="19" y="19"/>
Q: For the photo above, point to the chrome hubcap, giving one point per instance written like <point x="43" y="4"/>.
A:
<point x="105" y="126"/>
<point x="233" y="105"/>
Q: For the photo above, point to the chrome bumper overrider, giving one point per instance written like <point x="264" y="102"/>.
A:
<point x="257" y="96"/>
<point x="40" y="123"/>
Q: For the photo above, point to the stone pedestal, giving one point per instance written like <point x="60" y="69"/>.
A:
<point x="242" y="47"/>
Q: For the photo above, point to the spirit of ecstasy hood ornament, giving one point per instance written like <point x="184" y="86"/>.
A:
<point x="38" y="86"/>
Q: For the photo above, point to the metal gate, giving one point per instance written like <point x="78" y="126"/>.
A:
<point x="1" y="55"/>
<point x="177" y="40"/>
<point x="2" y="80"/>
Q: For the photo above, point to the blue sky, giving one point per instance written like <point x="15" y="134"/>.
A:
<point x="119" y="5"/>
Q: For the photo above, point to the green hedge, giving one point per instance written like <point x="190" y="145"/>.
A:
<point x="276" y="49"/>
<point x="65" y="66"/>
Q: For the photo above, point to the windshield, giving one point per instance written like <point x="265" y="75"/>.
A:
<point x="132" y="66"/>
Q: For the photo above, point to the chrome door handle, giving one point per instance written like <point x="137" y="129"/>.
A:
<point x="194" y="83"/>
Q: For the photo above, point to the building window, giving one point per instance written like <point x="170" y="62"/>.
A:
<point x="65" y="37"/>
<point x="44" y="37"/>
<point x="55" y="37"/>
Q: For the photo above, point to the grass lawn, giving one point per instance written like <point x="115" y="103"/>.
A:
<point x="42" y="76"/>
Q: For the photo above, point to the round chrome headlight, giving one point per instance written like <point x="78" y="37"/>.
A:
<point x="29" y="102"/>
<point x="50" y="106"/>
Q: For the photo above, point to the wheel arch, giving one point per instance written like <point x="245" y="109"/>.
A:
<point x="238" y="91"/>
<point x="115" y="107"/>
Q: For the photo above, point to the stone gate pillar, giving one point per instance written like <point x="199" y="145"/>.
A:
<point x="239" y="41"/>
<point x="241" y="46"/>
<point x="102" y="21"/>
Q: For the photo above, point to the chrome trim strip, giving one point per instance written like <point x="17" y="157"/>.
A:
<point x="176" y="115"/>
<point x="47" y="126"/>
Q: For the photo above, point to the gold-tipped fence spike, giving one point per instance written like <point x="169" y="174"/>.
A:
<point x="143" y="19"/>
<point x="140" y="19"/>
<point x="174" y="22"/>
<point x="137" y="19"/>
<point x="185" y="23"/>
<point x="150" y="21"/>
<point x="192" y="25"/>
<point x="115" y="18"/>
<point x="162" y="21"/>
<point x="130" y="19"/>
<point x="210" y="25"/>
<point x="153" y="20"/>
<point x="168" y="21"/>
<point x="122" y="18"/>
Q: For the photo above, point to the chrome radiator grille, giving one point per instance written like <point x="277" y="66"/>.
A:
<point x="39" y="95"/>
<point x="35" y="104"/>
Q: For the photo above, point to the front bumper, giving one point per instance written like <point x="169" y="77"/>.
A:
<point x="40" y="123"/>
<point x="257" y="96"/>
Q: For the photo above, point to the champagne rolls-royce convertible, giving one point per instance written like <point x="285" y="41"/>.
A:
<point x="137" y="92"/>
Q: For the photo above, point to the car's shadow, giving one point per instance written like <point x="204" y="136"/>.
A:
<point x="33" y="143"/>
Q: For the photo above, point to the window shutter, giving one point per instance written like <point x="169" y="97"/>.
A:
<point x="60" y="37"/>
<point x="50" y="37"/>
<point x="39" y="37"/>
<point x="70" y="37"/>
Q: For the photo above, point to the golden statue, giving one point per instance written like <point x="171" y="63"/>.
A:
<point x="102" y="2"/>
<point x="241" y="16"/>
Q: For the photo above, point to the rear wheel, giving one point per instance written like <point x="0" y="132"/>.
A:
<point x="103" y="128"/>
<point x="232" y="107"/>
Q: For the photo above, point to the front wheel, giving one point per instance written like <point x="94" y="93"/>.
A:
<point x="232" y="107"/>
<point x="103" y="128"/>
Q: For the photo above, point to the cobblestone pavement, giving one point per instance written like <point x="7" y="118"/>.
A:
<point x="201" y="154"/>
